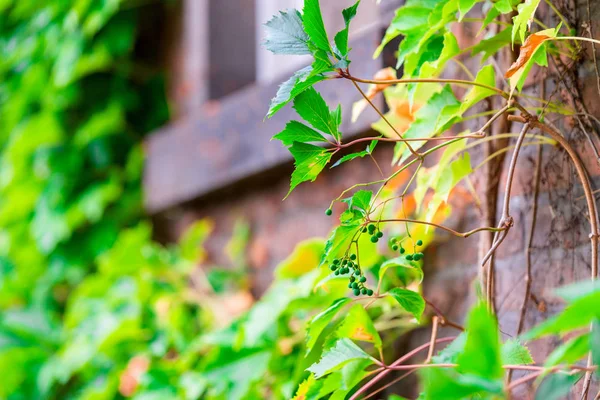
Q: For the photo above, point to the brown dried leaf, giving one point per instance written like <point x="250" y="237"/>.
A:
<point x="531" y="44"/>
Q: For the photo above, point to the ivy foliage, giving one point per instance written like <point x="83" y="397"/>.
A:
<point x="422" y="107"/>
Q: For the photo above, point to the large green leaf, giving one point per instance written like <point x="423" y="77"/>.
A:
<point x="481" y="355"/>
<point x="338" y="242"/>
<point x="285" y="34"/>
<point x="298" y="132"/>
<point x="309" y="162"/>
<point x="335" y="358"/>
<point x="578" y="314"/>
<point x="570" y="352"/>
<point x="411" y="301"/>
<point x="320" y="322"/>
<point x="314" y="26"/>
<point x="311" y="106"/>
<point x="447" y="384"/>
<point x="358" y="325"/>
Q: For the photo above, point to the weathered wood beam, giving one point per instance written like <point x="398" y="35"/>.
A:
<point x="229" y="141"/>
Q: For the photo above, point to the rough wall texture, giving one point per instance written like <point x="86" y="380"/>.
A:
<point x="560" y="248"/>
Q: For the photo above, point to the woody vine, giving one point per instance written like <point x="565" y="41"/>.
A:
<point x="476" y="364"/>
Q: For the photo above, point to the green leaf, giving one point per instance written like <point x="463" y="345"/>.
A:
<point x="360" y="200"/>
<point x="447" y="384"/>
<point x="299" y="82"/>
<point x="309" y="162"/>
<point x="341" y="38"/>
<point x="339" y="241"/>
<point x="298" y="132"/>
<point x="513" y="352"/>
<point x="320" y="321"/>
<point x="352" y="156"/>
<point x="570" y="352"/>
<point x="431" y="119"/>
<point x="334" y="359"/>
<point x="578" y="314"/>
<point x="285" y="34"/>
<point x="522" y="21"/>
<point x="411" y="272"/>
<point x="305" y="258"/>
<point x="341" y="382"/>
<point x="556" y="386"/>
<point x="410" y="301"/>
<point x="490" y="46"/>
<point x="577" y="290"/>
<point x="450" y="353"/>
<point x="595" y="342"/>
<point x="464" y="6"/>
<point x="311" y="106"/>
<point x="314" y="26"/>
<point x="358" y="325"/>
<point x="485" y="76"/>
<point x="482" y="348"/>
<point x="503" y="6"/>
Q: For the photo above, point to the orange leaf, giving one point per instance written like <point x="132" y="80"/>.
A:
<point x="531" y="44"/>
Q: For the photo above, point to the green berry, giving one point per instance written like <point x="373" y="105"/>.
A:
<point x="417" y="257"/>
<point x="395" y="247"/>
<point x="364" y="230"/>
<point x="336" y="261"/>
<point x="364" y="291"/>
<point x="409" y="257"/>
<point x="379" y="234"/>
<point x="349" y="286"/>
<point x="357" y="272"/>
<point x="352" y="278"/>
<point x="374" y="239"/>
<point x="394" y="240"/>
<point x="355" y="285"/>
<point x="402" y="250"/>
<point x="371" y="228"/>
<point x="419" y="242"/>
<point x="363" y="279"/>
<point x="369" y="292"/>
<point x="329" y="211"/>
<point x="356" y="292"/>
<point x="333" y="267"/>
<point x="344" y="262"/>
<point x="353" y="256"/>
<point x="337" y="272"/>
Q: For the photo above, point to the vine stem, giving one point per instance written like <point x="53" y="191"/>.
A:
<point x="518" y="367"/>
<point x="431" y="139"/>
<point x="364" y="95"/>
<point x="430" y="80"/>
<point x="445" y="228"/>
<point x="584" y="39"/>
<point x="399" y="361"/>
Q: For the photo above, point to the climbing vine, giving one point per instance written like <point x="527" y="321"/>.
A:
<point x="475" y="362"/>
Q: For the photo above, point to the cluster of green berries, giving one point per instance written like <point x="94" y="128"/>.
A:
<point x="415" y="256"/>
<point x="375" y="233"/>
<point x="347" y="265"/>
